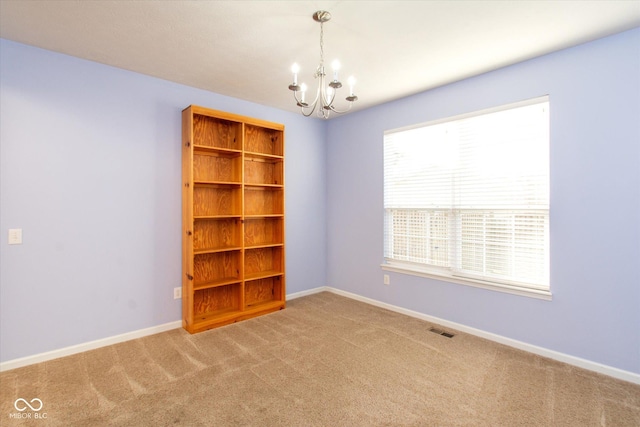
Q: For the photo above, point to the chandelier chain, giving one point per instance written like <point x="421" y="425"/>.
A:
<point x="321" y="44"/>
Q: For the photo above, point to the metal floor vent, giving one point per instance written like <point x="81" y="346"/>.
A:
<point x="441" y="332"/>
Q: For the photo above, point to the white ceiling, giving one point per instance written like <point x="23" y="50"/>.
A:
<point x="245" y="49"/>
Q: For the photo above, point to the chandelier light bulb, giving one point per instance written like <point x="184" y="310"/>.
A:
<point x="295" y="68"/>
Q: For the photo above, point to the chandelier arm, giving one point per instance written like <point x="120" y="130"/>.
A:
<point x="312" y="105"/>
<point x="302" y="107"/>
<point x="299" y="103"/>
<point x="335" y="110"/>
<point x="298" y="100"/>
<point x="307" y="114"/>
<point x="315" y="100"/>
<point x="295" y="96"/>
<point x="312" y="109"/>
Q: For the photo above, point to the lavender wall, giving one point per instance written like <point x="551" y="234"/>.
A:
<point x="90" y="170"/>
<point x="595" y="203"/>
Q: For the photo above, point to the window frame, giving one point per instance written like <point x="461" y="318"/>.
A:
<point x="445" y="274"/>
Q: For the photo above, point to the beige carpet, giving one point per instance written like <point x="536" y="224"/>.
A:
<point x="324" y="361"/>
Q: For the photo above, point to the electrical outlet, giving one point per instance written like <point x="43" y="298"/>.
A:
<point x="177" y="293"/>
<point x="386" y="279"/>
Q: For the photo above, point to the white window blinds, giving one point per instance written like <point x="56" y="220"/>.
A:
<point x="469" y="197"/>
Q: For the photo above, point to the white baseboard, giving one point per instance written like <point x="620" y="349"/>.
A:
<point x="308" y="292"/>
<point x="91" y="345"/>
<point x="551" y="354"/>
<point x="540" y="351"/>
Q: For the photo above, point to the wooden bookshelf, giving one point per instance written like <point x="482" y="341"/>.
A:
<point x="233" y="253"/>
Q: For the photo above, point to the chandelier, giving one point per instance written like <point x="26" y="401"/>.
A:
<point x="326" y="93"/>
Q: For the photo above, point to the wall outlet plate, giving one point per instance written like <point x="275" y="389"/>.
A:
<point x="177" y="293"/>
<point x="15" y="236"/>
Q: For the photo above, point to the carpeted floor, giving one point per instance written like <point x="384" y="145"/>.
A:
<point x="326" y="360"/>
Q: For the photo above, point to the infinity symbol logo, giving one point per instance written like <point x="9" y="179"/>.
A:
<point x="24" y="408"/>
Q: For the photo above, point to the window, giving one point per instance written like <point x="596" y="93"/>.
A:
<point x="467" y="199"/>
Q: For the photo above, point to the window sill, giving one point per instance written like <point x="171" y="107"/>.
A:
<point x="509" y="289"/>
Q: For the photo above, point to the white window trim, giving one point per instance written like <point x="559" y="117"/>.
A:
<point x="445" y="275"/>
<point x="462" y="116"/>
<point x="493" y="286"/>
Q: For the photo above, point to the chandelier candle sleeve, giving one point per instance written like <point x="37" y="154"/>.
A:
<point x="303" y="90"/>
